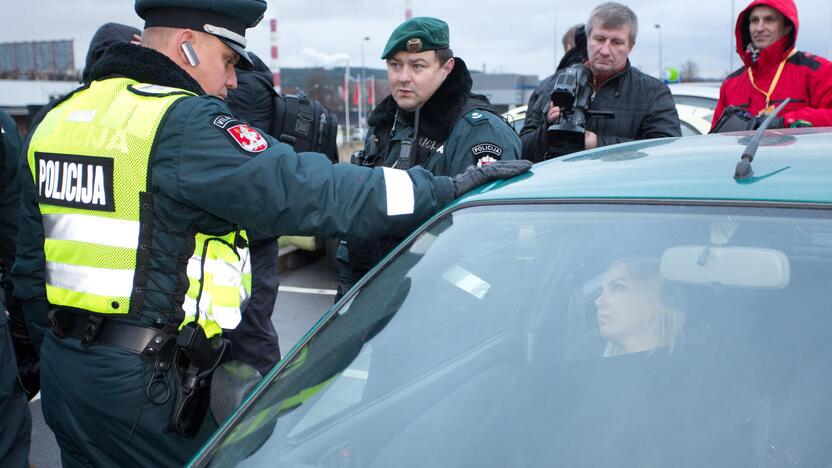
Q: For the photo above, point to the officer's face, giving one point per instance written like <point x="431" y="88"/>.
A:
<point x="766" y="26"/>
<point x="415" y="76"/>
<point x="215" y="72"/>
<point x="608" y="49"/>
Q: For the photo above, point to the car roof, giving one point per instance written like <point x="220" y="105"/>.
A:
<point x="703" y="90"/>
<point x="791" y="166"/>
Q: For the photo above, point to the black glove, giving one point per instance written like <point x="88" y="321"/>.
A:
<point x="475" y="176"/>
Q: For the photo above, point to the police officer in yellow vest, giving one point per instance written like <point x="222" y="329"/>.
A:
<point x="125" y="172"/>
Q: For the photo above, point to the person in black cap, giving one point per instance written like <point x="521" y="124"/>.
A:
<point x="105" y="36"/>
<point x="126" y="175"/>
<point x="431" y="119"/>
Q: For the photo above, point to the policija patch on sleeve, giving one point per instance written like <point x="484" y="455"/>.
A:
<point x="486" y="153"/>
<point x="84" y="182"/>
<point x="242" y="134"/>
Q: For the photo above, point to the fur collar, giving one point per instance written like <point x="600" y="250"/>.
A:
<point x="143" y="65"/>
<point x="439" y="114"/>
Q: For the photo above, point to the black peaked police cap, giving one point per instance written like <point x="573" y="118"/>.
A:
<point x="225" y="19"/>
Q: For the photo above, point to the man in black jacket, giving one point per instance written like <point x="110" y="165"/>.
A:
<point x="643" y="106"/>
<point x="254" y="341"/>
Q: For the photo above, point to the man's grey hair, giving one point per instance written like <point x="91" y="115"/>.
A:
<point x="612" y="15"/>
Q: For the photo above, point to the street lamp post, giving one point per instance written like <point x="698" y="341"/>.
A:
<point x="731" y="40"/>
<point x="661" y="69"/>
<point x="361" y="90"/>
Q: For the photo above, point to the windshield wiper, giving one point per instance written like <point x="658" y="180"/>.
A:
<point x="744" y="170"/>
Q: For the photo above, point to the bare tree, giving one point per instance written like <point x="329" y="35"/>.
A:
<point x="690" y="71"/>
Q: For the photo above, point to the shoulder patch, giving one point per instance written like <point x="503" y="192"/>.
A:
<point x="805" y="59"/>
<point x="486" y="153"/>
<point x="476" y="117"/>
<point x="244" y="135"/>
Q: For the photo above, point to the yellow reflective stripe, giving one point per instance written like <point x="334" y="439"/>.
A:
<point x="90" y="280"/>
<point x="84" y="254"/>
<point x="92" y="230"/>
<point x="81" y="300"/>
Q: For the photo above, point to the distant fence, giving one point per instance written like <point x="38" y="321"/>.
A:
<point x="37" y="60"/>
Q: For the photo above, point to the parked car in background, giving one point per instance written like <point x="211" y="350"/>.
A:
<point x="695" y="104"/>
<point x="633" y="306"/>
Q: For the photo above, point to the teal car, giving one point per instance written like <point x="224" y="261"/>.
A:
<point x="631" y="306"/>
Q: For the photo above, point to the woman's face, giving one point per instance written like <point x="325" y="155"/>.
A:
<point x="623" y="308"/>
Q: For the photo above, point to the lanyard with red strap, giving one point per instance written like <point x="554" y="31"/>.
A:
<point x="769" y="106"/>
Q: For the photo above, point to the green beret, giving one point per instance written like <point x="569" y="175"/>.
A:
<point x="418" y="35"/>
<point x="226" y="19"/>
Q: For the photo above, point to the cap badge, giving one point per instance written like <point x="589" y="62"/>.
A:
<point x="414" y="45"/>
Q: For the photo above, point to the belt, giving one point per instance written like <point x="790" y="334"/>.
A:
<point x="91" y="329"/>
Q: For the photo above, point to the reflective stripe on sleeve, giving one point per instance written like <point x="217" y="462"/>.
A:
<point x="225" y="274"/>
<point x="91" y="229"/>
<point x="90" y="280"/>
<point x="226" y="317"/>
<point x="400" y="196"/>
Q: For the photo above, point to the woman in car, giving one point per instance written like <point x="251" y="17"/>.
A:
<point x="637" y="310"/>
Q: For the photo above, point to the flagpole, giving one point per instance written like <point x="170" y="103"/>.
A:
<point x="347" y="101"/>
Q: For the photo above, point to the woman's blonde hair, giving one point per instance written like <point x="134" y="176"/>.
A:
<point x="663" y="299"/>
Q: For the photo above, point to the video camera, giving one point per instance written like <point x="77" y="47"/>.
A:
<point x="572" y="93"/>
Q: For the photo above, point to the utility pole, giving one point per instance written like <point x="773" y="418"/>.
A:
<point x="661" y="69"/>
<point x="731" y="39"/>
<point x="555" y="37"/>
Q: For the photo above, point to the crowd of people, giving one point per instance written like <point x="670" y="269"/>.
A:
<point x="138" y="218"/>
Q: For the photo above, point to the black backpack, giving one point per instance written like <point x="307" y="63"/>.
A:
<point x="306" y="125"/>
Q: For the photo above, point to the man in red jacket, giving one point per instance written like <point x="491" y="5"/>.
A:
<point x="775" y="70"/>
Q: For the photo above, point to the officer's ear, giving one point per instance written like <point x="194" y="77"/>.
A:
<point x="186" y="41"/>
<point x="448" y="66"/>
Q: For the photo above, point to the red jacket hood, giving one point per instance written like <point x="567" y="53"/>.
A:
<point x="780" y="49"/>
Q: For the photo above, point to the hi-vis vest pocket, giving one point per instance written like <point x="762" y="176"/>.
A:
<point x="84" y="182"/>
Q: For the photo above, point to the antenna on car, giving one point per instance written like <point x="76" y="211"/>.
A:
<point x="744" y="170"/>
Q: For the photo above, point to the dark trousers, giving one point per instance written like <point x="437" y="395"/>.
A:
<point x="96" y="402"/>
<point x="254" y="341"/>
<point x="15" y="421"/>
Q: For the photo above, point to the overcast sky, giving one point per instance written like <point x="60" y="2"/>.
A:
<point x="511" y="36"/>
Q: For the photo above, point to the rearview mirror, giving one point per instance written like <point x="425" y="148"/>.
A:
<point x="230" y="384"/>
<point x="748" y="267"/>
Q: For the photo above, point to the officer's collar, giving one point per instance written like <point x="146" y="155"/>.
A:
<point x="439" y="114"/>
<point x="144" y="65"/>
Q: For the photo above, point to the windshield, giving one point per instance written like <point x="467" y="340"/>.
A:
<point x="568" y="335"/>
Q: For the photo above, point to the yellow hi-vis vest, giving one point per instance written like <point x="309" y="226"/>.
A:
<point x="89" y="160"/>
<point x="219" y="273"/>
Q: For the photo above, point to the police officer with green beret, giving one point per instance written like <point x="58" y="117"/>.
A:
<point x="430" y="119"/>
<point x="124" y="174"/>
